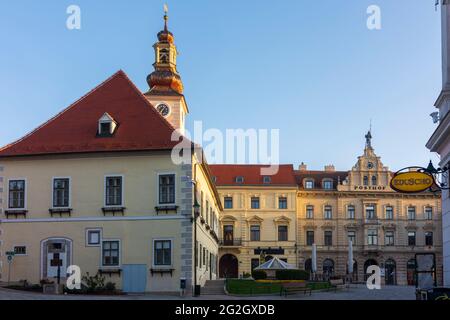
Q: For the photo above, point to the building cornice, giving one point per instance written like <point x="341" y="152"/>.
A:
<point x="440" y="135"/>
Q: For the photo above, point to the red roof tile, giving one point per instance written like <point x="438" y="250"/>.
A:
<point x="226" y="174"/>
<point x="74" y="130"/>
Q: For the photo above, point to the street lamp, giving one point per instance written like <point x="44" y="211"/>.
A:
<point x="440" y="175"/>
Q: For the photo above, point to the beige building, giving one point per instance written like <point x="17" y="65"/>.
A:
<point x="259" y="216"/>
<point x="332" y="207"/>
<point x="96" y="186"/>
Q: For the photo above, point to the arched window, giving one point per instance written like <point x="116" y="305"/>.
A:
<point x="390" y="272"/>
<point x="374" y="180"/>
<point x="367" y="264"/>
<point x="366" y="180"/>
<point x="308" y="265"/>
<point x="411" y="272"/>
<point x="328" y="267"/>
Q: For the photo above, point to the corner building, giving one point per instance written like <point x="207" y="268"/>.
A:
<point x="96" y="187"/>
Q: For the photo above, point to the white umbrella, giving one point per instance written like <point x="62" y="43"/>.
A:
<point x="314" y="258"/>
<point x="350" y="257"/>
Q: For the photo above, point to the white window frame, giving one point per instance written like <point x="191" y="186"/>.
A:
<point x="239" y="178"/>
<point x="324" y="212"/>
<point x="371" y="236"/>
<point x="122" y="190"/>
<point x="102" y="266"/>
<point x="306" y="212"/>
<point x="425" y="213"/>
<point x="88" y="230"/>
<point x="53" y="192"/>
<point x="157" y="187"/>
<point x="386" y="211"/>
<point x="324" y="181"/>
<point x="351" y="205"/>
<point x="25" y="204"/>
<point x="306" y="180"/>
<point x="154" y="255"/>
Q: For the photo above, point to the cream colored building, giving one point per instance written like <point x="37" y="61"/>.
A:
<point x="96" y="186"/>
<point x="259" y="216"/>
<point x="332" y="207"/>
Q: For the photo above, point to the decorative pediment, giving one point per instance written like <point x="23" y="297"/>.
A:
<point x="328" y="225"/>
<point x="351" y="226"/>
<point x="411" y="226"/>
<point x="429" y="226"/>
<point x="282" y="219"/>
<point x="228" y="218"/>
<point x="389" y="226"/>
<point x="310" y="226"/>
<point x="255" y="219"/>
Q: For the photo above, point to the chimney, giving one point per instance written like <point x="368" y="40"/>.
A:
<point x="302" y="167"/>
<point x="330" y="168"/>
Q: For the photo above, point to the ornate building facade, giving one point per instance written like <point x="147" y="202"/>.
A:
<point x="331" y="208"/>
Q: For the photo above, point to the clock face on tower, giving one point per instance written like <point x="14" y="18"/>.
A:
<point x="370" y="165"/>
<point x="163" y="109"/>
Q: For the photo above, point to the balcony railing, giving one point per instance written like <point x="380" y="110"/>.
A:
<point x="230" y="242"/>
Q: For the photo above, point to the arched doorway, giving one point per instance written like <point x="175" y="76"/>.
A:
<point x="308" y="265"/>
<point x="367" y="264"/>
<point x="411" y="272"/>
<point x="328" y="267"/>
<point x="390" y="272"/>
<point x="228" y="266"/>
<point x="355" y="270"/>
<point x="56" y="253"/>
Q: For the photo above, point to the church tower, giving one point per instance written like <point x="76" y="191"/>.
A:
<point x="166" y="87"/>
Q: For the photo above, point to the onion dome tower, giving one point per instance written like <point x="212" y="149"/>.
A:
<point x="166" y="87"/>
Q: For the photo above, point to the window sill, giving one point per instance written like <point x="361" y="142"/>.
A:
<point x="162" y="270"/>
<point x="110" y="271"/>
<point x="60" y="211"/>
<point x="113" y="210"/>
<point x="15" y="212"/>
<point x="166" y="209"/>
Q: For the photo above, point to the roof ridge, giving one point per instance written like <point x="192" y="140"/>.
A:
<point x="141" y="95"/>
<point x="118" y="73"/>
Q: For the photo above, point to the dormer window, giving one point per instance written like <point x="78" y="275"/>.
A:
<point x="106" y="126"/>
<point x="327" y="184"/>
<point x="267" y="180"/>
<point x="240" y="179"/>
<point x="309" y="184"/>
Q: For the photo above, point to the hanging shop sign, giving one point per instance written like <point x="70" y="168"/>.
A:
<point x="419" y="179"/>
<point x="412" y="182"/>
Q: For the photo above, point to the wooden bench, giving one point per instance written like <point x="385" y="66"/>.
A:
<point x="337" y="284"/>
<point x="294" y="287"/>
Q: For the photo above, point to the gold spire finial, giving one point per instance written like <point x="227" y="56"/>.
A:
<point x="166" y="10"/>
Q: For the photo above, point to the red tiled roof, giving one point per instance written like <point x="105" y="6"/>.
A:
<point x="318" y="176"/>
<point x="226" y="174"/>
<point x="74" y="130"/>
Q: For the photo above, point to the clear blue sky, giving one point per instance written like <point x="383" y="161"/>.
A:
<point x="310" y="68"/>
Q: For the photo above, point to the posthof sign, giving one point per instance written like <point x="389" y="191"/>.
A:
<point x="412" y="181"/>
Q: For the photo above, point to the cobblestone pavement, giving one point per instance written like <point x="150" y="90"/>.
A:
<point x="359" y="292"/>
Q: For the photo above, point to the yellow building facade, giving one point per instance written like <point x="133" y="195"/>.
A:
<point x="97" y="186"/>
<point x="331" y="208"/>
